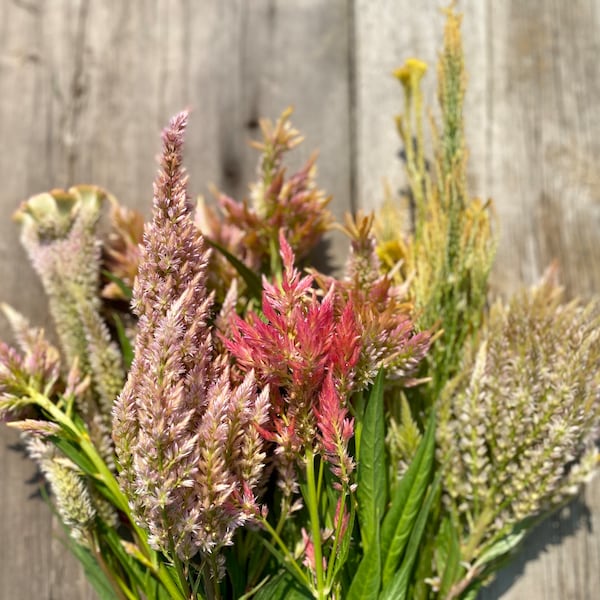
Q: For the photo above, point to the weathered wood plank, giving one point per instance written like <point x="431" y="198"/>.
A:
<point x="86" y="87"/>
<point x="532" y="126"/>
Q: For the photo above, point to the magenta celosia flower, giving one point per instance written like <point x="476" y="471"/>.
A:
<point x="306" y="352"/>
<point x="187" y="439"/>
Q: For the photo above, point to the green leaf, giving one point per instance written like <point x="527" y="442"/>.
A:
<point x="73" y="452"/>
<point x="372" y="470"/>
<point x="283" y="587"/>
<point x="472" y="592"/>
<point x="448" y="556"/>
<point x="136" y="572"/>
<point x="282" y="560"/>
<point x="126" y="347"/>
<point x="250" y="277"/>
<point x="125" y="289"/>
<point x="410" y="491"/>
<point x="367" y="580"/>
<point x="503" y="546"/>
<point x="398" y="587"/>
<point x="235" y="573"/>
<point x="93" y="572"/>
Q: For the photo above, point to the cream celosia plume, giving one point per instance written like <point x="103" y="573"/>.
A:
<point x="518" y="425"/>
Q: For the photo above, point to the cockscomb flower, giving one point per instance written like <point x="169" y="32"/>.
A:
<point x="517" y="427"/>
<point x="388" y="335"/>
<point x="186" y="437"/>
<point x="277" y="201"/>
<point x="298" y="342"/>
<point x="59" y="232"/>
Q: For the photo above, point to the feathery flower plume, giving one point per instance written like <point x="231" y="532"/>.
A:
<point x="297" y="343"/>
<point x="449" y="256"/>
<point x="58" y="230"/>
<point x="71" y="494"/>
<point x="186" y="438"/>
<point x="250" y="229"/>
<point x="517" y="426"/>
<point x="36" y="368"/>
<point x="293" y="203"/>
<point x="387" y="333"/>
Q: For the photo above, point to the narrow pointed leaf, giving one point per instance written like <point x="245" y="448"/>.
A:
<point x="397" y="589"/>
<point x="372" y="471"/>
<point x="283" y="587"/>
<point x="126" y="347"/>
<point x="449" y="556"/>
<point x="410" y="491"/>
<point x="367" y="580"/>
<point x="251" y="279"/>
<point x="502" y="546"/>
<point x="125" y="289"/>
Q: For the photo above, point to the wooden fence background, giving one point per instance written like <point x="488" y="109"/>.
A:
<point x="85" y="87"/>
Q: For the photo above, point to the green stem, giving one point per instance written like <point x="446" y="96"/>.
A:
<point x="183" y="582"/>
<point x="105" y="475"/>
<point x="286" y="552"/>
<point x="312" y="503"/>
<point x="121" y="594"/>
<point x="336" y="541"/>
<point x="478" y="533"/>
<point x="216" y="590"/>
<point x="285" y="511"/>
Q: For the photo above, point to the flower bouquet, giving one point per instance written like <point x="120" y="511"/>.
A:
<point x="224" y="421"/>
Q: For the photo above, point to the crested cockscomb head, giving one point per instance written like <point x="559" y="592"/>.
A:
<point x="59" y="232"/>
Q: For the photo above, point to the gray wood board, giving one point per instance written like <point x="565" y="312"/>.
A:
<point x="86" y="87"/>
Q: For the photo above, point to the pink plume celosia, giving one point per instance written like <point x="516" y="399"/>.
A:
<point x="335" y="430"/>
<point x="187" y="441"/>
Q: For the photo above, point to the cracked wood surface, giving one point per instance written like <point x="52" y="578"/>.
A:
<point x="87" y="85"/>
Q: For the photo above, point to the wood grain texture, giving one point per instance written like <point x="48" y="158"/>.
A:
<point x="85" y="87"/>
